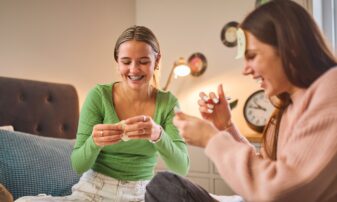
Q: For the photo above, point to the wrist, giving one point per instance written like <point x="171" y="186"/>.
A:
<point x="159" y="137"/>
<point x="227" y="125"/>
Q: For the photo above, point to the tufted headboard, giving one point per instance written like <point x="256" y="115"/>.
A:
<point x="40" y="108"/>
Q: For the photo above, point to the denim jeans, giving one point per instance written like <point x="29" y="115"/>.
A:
<point x="96" y="187"/>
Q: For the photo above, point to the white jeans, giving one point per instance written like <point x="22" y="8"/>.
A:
<point x="97" y="187"/>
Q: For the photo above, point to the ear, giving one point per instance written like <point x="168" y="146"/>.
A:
<point x="158" y="57"/>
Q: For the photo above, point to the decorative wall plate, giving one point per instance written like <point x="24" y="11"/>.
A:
<point x="228" y="34"/>
<point x="198" y="64"/>
<point x="260" y="2"/>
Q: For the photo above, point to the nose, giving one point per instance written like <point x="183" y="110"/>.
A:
<point x="247" y="70"/>
<point x="134" y="67"/>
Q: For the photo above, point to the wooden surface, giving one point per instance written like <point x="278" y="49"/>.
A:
<point x="254" y="137"/>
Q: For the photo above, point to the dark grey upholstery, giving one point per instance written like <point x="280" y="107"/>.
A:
<point x="40" y="108"/>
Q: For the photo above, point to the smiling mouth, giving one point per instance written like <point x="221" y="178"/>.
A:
<point x="136" y="78"/>
<point x="259" y="80"/>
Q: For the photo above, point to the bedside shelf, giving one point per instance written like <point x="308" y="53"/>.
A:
<point x="254" y="137"/>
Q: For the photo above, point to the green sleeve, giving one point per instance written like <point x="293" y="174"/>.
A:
<point x="172" y="148"/>
<point x="85" y="150"/>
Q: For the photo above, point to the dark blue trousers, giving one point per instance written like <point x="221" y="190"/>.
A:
<point x="169" y="187"/>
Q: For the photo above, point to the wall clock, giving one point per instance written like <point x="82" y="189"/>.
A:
<point x="228" y="34"/>
<point x="257" y="110"/>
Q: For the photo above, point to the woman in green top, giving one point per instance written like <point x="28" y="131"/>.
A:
<point x="124" y="125"/>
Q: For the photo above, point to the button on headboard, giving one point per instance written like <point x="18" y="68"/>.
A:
<point x="40" y="108"/>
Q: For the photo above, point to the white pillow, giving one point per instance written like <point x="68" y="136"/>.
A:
<point x="9" y="128"/>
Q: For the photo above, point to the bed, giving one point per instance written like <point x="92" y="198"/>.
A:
<point x="35" y="157"/>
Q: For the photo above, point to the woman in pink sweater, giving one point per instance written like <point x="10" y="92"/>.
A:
<point x="298" y="161"/>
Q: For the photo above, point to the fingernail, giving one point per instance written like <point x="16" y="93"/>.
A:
<point x="205" y="98"/>
<point x="210" y="106"/>
<point x="215" y="100"/>
<point x="210" y="111"/>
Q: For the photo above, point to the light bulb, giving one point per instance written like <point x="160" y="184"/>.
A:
<point x="182" y="70"/>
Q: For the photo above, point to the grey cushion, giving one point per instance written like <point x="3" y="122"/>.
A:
<point x="31" y="165"/>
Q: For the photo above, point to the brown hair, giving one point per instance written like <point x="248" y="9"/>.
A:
<point x="289" y="28"/>
<point x="139" y="33"/>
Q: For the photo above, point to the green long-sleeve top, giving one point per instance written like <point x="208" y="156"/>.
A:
<point x="134" y="159"/>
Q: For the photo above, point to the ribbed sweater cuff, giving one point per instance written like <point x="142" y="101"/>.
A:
<point x="216" y="141"/>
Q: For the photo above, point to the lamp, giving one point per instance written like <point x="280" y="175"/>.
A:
<point x="179" y="68"/>
<point x="197" y="64"/>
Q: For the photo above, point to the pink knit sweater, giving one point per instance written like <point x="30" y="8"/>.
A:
<point x="306" y="165"/>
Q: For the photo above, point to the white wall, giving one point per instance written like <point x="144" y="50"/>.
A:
<point x="185" y="27"/>
<point x="68" y="41"/>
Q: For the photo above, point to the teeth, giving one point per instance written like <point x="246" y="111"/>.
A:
<point x="259" y="80"/>
<point x="134" y="78"/>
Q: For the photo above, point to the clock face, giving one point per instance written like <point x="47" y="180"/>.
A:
<point x="257" y="110"/>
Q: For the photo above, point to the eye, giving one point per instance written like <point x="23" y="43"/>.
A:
<point x="144" y="61"/>
<point x="125" y="62"/>
<point x="250" y="56"/>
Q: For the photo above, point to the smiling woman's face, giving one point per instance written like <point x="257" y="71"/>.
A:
<point x="264" y="64"/>
<point x="136" y="63"/>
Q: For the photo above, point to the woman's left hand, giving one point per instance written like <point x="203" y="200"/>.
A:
<point x="196" y="131"/>
<point x="142" y="127"/>
<point x="216" y="109"/>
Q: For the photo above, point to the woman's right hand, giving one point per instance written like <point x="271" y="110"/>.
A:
<point x="215" y="108"/>
<point x="107" y="134"/>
